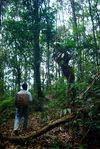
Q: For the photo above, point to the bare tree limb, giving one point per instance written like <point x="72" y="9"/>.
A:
<point x="97" y="76"/>
<point x="33" y="135"/>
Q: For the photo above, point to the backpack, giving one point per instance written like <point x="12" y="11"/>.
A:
<point x="22" y="100"/>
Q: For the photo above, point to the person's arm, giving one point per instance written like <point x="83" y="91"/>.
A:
<point x="30" y="97"/>
<point x="16" y="99"/>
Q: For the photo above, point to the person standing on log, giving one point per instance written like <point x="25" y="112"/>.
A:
<point x="22" y="101"/>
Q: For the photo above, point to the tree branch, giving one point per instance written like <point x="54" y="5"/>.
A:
<point x="92" y="83"/>
<point x="33" y="135"/>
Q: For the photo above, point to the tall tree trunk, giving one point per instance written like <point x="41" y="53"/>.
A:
<point x="97" y="14"/>
<point x="26" y="70"/>
<point x="48" y="46"/>
<point x="36" y="33"/>
<point x="1" y="52"/>
<point x="48" y="67"/>
<point x="0" y="14"/>
<point x="18" y="77"/>
<point x="93" y="29"/>
<point x="75" y="26"/>
<point x="74" y="14"/>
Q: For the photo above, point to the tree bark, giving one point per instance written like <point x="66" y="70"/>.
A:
<point x="36" y="33"/>
<point x="74" y="14"/>
<point x="97" y="13"/>
<point x="0" y="14"/>
<point x="18" y="77"/>
<point x="75" y="27"/>
<point x="48" y="30"/>
<point x="18" y="69"/>
<point x="1" y="52"/>
<point x="93" y="29"/>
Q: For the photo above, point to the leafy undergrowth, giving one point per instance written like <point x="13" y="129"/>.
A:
<point x="62" y="137"/>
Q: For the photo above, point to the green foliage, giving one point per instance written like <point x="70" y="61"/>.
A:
<point x="56" y="144"/>
<point x="87" y="110"/>
<point x="7" y="109"/>
<point x="6" y="103"/>
<point x="58" y="89"/>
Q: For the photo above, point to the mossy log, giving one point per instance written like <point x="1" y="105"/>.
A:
<point x="34" y="135"/>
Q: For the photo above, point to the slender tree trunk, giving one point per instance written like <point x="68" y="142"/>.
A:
<point x="43" y="79"/>
<point x="0" y="15"/>
<point x="36" y="33"/>
<point x="1" y="52"/>
<point x="84" y="36"/>
<point x="48" y="67"/>
<point x="75" y="26"/>
<point x="93" y="29"/>
<point x="98" y="17"/>
<point x="74" y="14"/>
<point x="48" y="46"/>
<point x="26" y="72"/>
<point x="48" y="53"/>
<point x="19" y="77"/>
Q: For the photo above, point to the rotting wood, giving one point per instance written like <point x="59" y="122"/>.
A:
<point x="33" y="135"/>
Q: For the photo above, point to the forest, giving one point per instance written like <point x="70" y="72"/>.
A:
<point x="53" y="46"/>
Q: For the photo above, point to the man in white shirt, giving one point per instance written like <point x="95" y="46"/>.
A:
<point x="21" y="110"/>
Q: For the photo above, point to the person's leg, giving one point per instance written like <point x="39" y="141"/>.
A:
<point x="17" y="119"/>
<point x="25" y="118"/>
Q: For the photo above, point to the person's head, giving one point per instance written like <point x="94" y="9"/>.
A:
<point x="24" y="86"/>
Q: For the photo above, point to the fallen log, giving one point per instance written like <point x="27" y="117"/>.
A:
<point x="33" y="135"/>
<point x="97" y="76"/>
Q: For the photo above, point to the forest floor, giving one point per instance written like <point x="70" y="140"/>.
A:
<point x="58" y="138"/>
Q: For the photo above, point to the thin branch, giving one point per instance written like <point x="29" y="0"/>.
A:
<point x="97" y="76"/>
